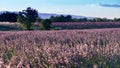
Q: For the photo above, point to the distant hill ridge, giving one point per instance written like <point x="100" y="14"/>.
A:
<point x="48" y="15"/>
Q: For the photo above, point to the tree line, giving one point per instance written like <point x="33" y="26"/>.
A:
<point x="69" y="18"/>
<point x="8" y="17"/>
<point x="12" y="17"/>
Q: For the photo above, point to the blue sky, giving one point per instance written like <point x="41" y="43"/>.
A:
<point x="91" y="8"/>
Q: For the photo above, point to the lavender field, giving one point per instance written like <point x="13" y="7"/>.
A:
<point x="7" y="26"/>
<point x="85" y="25"/>
<point x="93" y="48"/>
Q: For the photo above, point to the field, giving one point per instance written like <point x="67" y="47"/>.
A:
<point x="85" y="25"/>
<point x="88" y="48"/>
<point x="6" y="26"/>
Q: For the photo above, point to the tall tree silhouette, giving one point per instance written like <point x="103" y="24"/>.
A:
<point x="27" y="18"/>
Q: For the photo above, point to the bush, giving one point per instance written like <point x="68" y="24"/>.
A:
<point x="57" y="28"/>
<point x="46" y="24"/>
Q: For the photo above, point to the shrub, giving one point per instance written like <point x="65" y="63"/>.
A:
<point x="46" y="24"/>
<point x="57" y="28"/>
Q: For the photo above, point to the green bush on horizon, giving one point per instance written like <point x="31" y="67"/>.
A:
<point x="46" y="24"/>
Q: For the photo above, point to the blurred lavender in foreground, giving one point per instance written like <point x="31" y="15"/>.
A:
<point x="98" y="48"/>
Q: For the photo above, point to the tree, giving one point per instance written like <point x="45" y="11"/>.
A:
<point x="27" y="18"/>
<point x="8" y="17"/>
<point x="116" y="19"/>
<point x="46" y="24"/>
<point x="68" y="18"/>
<point x="61" y="18"/>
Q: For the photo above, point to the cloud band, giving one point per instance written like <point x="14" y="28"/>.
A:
<point x="110" y="5"/>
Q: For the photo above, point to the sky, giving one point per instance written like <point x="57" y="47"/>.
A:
<point x="90" y="8"/>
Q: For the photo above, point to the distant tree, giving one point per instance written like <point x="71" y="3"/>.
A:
<point x="97" y="20"/>
<point x="39" y="19"/>
<point x="104" y="19"/>
<point x="8" y="17"/>
<point x="82" y="20"/>
<point x="27" y="18"/>
<point x="68" y="18"/>
<point x="52" y="18"/>
<point x="46" y="24"/>
<point x="116" y="19"/>
<point x="85" y="19"/>
<point x="61" y="18"/>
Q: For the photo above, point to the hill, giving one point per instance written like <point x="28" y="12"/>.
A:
<point x="48" y="15"/>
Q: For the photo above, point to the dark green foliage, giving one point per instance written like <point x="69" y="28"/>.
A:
<point x="68" y="18"/>
<point x="9" y="55"/>
<point x="61" y="18"/>
<point x="8" y="17"/>
<point x="116" y="20"/>
<point x="27" y="18"/>
<point x="57" y="28"/>
<point x="46" y="24"/>
<point x="38" y="19"/>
